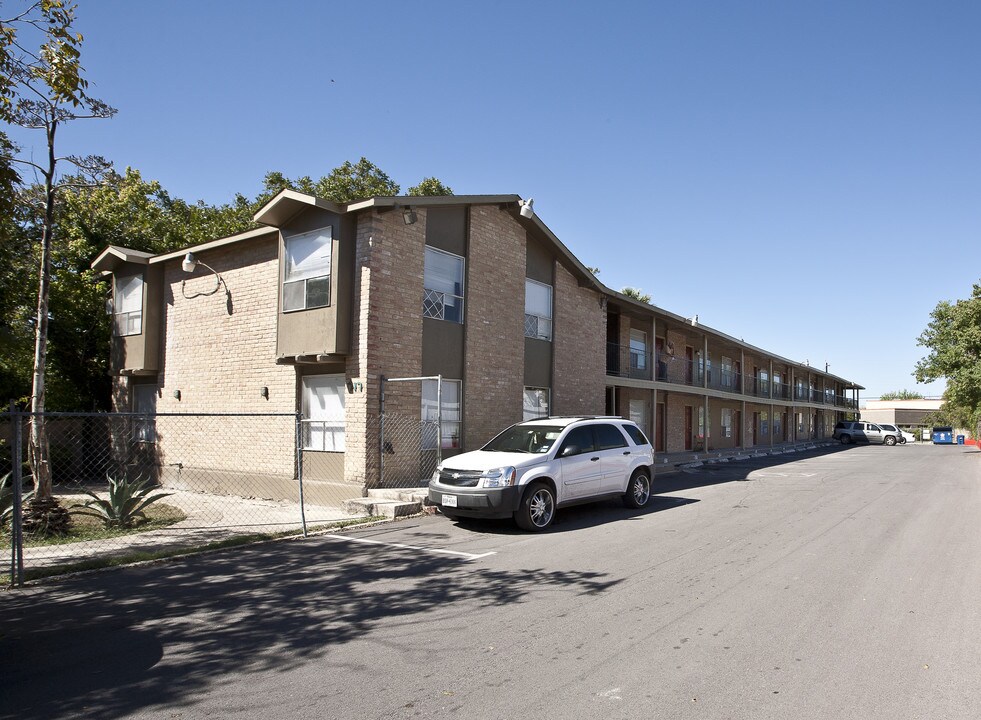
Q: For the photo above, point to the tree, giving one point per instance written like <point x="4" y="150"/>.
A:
<point x="953" y="338"/>
<point x="430" y="187"/>
<point x="43" y="89"/>
<point x="902" y="395"/>
<point x="636" y="294"/>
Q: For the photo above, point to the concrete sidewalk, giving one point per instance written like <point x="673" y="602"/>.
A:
<point x="210" y="518"/>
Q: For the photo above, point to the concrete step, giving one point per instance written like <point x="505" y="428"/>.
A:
<point x="381" y="507"/>
<point x="410" y="494"/>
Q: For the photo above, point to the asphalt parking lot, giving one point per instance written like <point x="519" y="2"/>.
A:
<point x="836" y="583"/>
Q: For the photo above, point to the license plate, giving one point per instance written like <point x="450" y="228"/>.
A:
<point x="449" y="500"/>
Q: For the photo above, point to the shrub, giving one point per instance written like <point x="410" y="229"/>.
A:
<point x="125" y="505"/>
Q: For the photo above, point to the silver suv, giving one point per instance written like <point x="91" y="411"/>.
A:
<point x="537" y="466"/>
<point x="853" y="431"/>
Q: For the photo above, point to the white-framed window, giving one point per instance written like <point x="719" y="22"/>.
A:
<point x="638" y="350"/>
<point x="538" y="310"/>
<point x="536" y="403"/>
<point x="306" y="278"/>
<point x="127" y="305"/>
<point x="764" y="383"/>
<point x="726" y="373"/>
<point x="450" y="416"/>
<point x="443" y="286"/>
<point x="726" y="421"/>
<point x="145" y="401"/>
<point x="322" y="406"/>
<point x="637" y="409"/>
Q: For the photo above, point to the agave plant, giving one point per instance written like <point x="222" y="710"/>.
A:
<point x="125" y="505"/>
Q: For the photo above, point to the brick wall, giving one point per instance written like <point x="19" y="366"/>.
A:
<point x="494" y="345"/>
<point x="579" y="369"/>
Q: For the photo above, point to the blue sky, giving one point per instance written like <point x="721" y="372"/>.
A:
<point x="801" y="175"/>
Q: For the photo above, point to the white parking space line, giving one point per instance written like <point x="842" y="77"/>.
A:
<point x="400" y="546"/>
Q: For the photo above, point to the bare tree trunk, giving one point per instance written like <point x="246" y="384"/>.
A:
<point x="37" y="449"/>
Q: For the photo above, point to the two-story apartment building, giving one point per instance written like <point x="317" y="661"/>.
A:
<point x="315" y="309"/>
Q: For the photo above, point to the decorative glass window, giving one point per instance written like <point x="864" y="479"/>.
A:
<point x="536" y="403"/>
<point x="701" y="422"/>
<point x="638" y="350"/>
<point x="450" y="417"/>
<point x="726" y="421"/>
<point x="323" y="412"/>
<point x="764" y="424"/>
<point x="443" y="294"/>
<point x="638" y="413"/>
<point x="127" y="305"/>
<point x="306" y="281"/>
<point x="538" y="310"/>
<point x="777" y="422"/>
<point x="145" y="402"/>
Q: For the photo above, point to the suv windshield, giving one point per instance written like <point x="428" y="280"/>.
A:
<point x="525" y="438"/>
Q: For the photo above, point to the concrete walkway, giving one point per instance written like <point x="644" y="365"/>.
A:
<point x="210" y="518"/>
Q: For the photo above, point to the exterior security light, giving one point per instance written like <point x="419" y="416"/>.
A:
<point x="409" y="216"/>
<point x="527" y="211"/>
<point x="189" y="265"/>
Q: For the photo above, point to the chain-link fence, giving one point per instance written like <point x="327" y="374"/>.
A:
<point x="409" y="428"/>
<point x="134" y="485"/>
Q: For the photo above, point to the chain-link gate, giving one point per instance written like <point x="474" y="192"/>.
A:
<point x="410" y="430"/>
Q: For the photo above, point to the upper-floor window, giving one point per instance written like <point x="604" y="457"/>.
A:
<point x="726" y="373"/>
<point x="306" y="281"/>
<point x="443" y="283"/>
<point x="638" y="350"/>
<point x="127" y="305"/>
<point x="538" y="310"/>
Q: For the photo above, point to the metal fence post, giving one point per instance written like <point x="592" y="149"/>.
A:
<point x="381" y="431"/>
<point x="299" y="470"/>
<point x="16" y="527"/>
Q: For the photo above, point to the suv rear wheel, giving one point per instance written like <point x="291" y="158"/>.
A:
<point x="890" y="440"/>
<point x="537" y="509"/>
<point x="638" y="490"/>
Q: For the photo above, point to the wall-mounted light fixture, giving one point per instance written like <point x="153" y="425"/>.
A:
<point x="264" y="392"/>
<point x="188" y="265"/>
<point x="527" y="211"/>
<point x="409" y="216"/>
<point x="177" y="395"/>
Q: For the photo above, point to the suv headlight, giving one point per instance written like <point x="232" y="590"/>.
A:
<point x="498" y="477"/>
<point x="436" y="472"/>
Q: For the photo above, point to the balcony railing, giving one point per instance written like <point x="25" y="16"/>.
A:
<point x="627" y="362"/>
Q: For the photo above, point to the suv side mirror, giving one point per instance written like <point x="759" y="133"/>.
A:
<point x="568" y="450"/>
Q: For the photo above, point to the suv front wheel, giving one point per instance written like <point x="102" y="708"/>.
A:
<point x="845" y="439"/>
<point x="890" y="440"/>
<point x="537" y="509"/>
<point x="638" y="490"/>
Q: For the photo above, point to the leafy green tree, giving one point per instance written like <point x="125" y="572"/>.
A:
<point x="902" y="395"/>
<point x="42" y="90"/>
<point x="430" y="187"/>
<point x="636" y="294"/>
<point x="953" y="338"/>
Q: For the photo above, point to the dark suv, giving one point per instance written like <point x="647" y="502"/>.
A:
<point x="537" y="466"/>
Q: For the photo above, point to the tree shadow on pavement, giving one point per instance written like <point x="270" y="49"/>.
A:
<point x="125" y="641"/>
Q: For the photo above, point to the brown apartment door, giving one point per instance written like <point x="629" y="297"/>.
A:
<point x="659" y="428"/>
<point x="689" y="427"/>
<point x="737" y="421"/>
<point x="689" y="365"/>
<point x="756" y="426"/>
